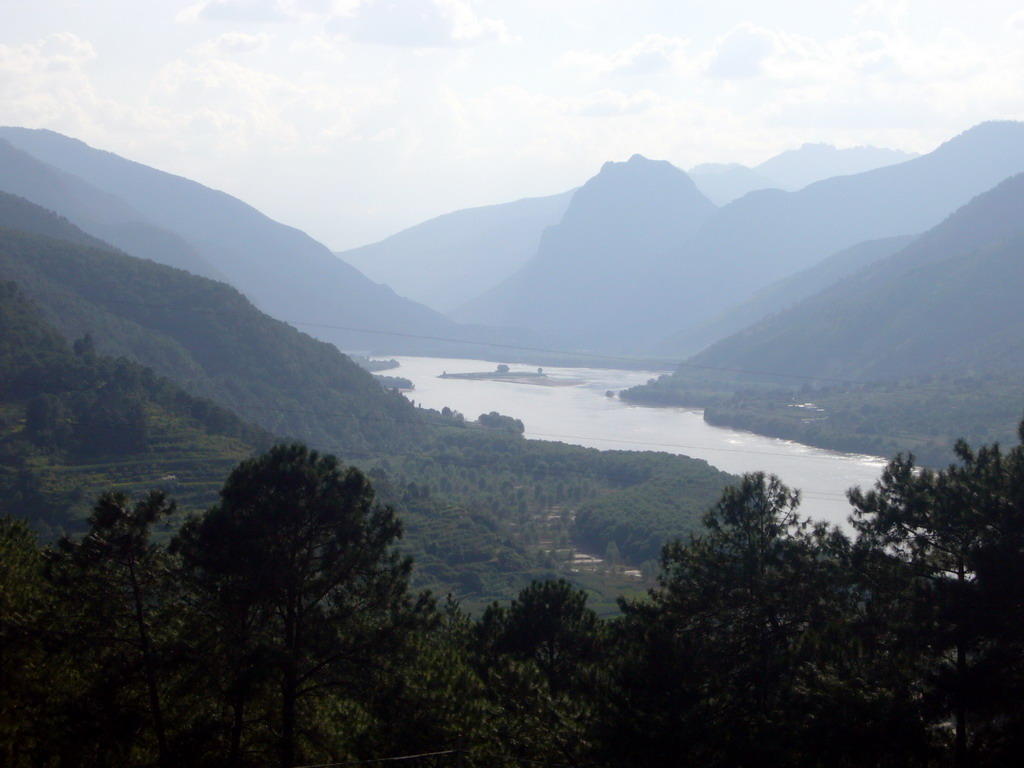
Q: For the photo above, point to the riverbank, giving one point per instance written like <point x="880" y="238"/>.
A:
<point x="585" y="415"/>
<point x="924" y="415"/>
<point x="515" y="377"/>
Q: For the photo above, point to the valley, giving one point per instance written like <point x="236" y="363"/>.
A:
<point x="636" y="483"/>
<point x="584" y="414"/>
<point x="565" y="306"/>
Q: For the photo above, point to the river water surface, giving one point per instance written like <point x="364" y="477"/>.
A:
<point x="580" y="412"/>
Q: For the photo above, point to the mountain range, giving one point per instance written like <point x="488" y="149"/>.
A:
<point x="780" y="295"/>
<point x="636" y="261"/>
<point x="116" y="371"/>
<point x="443" y="261"/>
<point x="448" y="260"/>
<point x="912" y="269"/>
<point x="201" y="333"/>
<point x="181" y="223"/>
<point x="791" y="170"/>
<point x="577" y="284"/>
<point x="948" y="302"/>
<point x="627" y="294"/>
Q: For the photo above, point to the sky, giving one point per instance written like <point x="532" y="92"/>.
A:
<point x="353" y="119"/>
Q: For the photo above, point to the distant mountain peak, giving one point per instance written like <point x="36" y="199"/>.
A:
<point x="483" y="246"/>
<point x="637" y="164"/>
<point x="914" y="312"/>
<point x="990" y="131"/>
<point x="636" y="193"/>
<point x="638" y="158"/>
<point x="796" y="168"/>
<point x="620" y="222"/>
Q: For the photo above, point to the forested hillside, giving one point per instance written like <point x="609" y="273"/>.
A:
<point x="258" y="638"/>
<point x="210" y="338"/>
<point x="486" y="510"/>
<point x="906" y="354"/>
<point x="474" y="487"/>
<point x="164" y="217"/>
<point x="74" y="423"/>
<point x="945" y="304"/>
<point x="105" y="216"/>
<point x="781" y="295"/>
<point x="769" y="235"/>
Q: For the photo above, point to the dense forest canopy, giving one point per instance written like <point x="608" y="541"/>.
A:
<point x="74" y="422"/>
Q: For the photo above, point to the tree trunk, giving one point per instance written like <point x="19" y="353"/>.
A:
<point x="960" y="697"/>
<point x="235" y="739"/>
<point x="289" y="682"/>
<point x="149" y="664"/>
<point x="288" y="691"/>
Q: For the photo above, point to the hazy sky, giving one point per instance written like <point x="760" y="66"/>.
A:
<point x="351" y="119"/>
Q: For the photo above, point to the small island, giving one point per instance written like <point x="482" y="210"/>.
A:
<point x="504" y="373"/>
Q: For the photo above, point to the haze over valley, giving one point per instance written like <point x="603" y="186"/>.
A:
<point x="784" y="296"/>
<point x="488" y="384"/>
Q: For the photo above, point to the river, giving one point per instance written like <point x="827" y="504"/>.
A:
<point x="580" y="412"/>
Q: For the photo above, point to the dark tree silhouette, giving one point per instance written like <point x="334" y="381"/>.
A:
<point x="296" y="570"/>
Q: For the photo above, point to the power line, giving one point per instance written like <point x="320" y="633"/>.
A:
<point x="653" y="362"/>
<point x="667" y="445"/>
<point x="577" y="438"/>
<point x="817" y="495"/>
<point x="548" y="436"/>
<point x="399" y="758"/>
<point x="821" y="495"/>
<point x="682" y="449"/>
<point x="658" y="364"/>
<point x="442" y="459"/>
<point x="443" y="753"/>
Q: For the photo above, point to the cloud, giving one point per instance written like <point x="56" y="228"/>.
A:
<point x="468" y="27"/>
<point x="55" y="53"/>
<point x="654" y="54"/>
<point x="888" y="12"/>
<point x="46" y="80"/>
<point x="234" y="11"/>
<point x="1015" y="23"/>
<point x="234" y="43"/>
<point x="235" y="110"/>
<point x="47" y="84"/>
<point x="867" y="52"/>
<point x="784" y="60"/>
<point x="741" y="53"/>
<point x="66" y="50"/>
<point x="876" y="84"/>
<point x="418" y="24"/>
<point x="317" y="8"/>
<point x="608" y="103"/>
